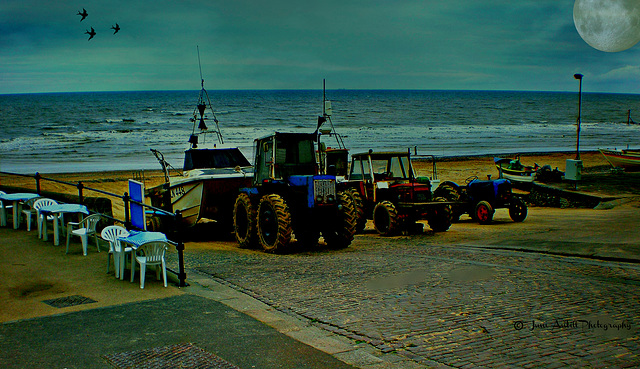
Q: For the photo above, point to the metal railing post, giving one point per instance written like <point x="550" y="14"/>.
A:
<point x="182" y="275"/>
<point x="37" y="177"/>
<point x="80" y="195"/>
<point x="127" y="220"/>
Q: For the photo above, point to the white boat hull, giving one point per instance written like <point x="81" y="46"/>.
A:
<point x="627" y="159"/>
<point x="517" y="177"/>
<point x="198" y="195"/>
<point x="186" y="198"/>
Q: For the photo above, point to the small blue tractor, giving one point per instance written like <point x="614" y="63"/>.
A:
<point x="480" y="199"/>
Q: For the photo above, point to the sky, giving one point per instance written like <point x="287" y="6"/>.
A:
<point x="526" y="45"/>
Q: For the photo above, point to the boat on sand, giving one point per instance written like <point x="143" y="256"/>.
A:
<point x="212" y="174"/>
<point x="628" y="159"/>
<point x="514" y="171"/>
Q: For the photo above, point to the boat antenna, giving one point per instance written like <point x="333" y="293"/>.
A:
<point x="326" y="116"/>
<point x="201" y="108"/>
<point x="326" y="103"/>
<point x="200" y="66"/>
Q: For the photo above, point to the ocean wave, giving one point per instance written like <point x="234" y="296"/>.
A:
<point x="55" y="127"/>
<point x="450" y="122"/>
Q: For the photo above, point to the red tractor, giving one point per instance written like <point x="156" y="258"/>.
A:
<point x="385" y="188"/>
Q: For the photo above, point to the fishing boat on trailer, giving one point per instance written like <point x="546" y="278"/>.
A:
<point x="628" y="159"/>
<point x="212" y="175"/>
<point x="514" y="171"/>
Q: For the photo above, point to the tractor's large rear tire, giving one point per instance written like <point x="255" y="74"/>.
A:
<point x="385" y="219"/>
<point x="358" y="206"/>
<point x="244" y="221"/>
<point x="440" y="216"/>
<point x="518" y="210"/>
<point x="450" y="192"/>
<point x="343" y="229"/>
<point x="274" y="223"/>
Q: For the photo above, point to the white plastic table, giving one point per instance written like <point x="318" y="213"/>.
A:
<point x="136" y="239"/>
<point x="57" y="210"/>
<point x="16" y="198"/>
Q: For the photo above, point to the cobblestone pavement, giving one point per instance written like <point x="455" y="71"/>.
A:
<point x="455" y="305"/>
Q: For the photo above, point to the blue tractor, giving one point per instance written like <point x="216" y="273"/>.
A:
<point x="289" y="200"/>
<point x="480" y="199"/>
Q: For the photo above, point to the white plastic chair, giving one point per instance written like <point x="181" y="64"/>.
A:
<point x="39" y="203"/>
<point x="84" y="229"/>
<point x="3" y="210"/>
<point x="150" y="253"/>
<point x="28" y="210"/>
<point x="112" y="233"/>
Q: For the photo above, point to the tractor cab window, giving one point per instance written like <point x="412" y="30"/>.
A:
<point x="295" y="157"/>
<point x="399" y="167"/>
<point x="379" y="166"/>
<point x="360" y="170"/>
<point x="295" y="152"/>
<point x="263" y="161"/>
<point x="382" y="169"/>
<point x="306" y="152"/>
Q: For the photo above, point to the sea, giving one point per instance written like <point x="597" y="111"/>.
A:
<point x="101" y="131"/>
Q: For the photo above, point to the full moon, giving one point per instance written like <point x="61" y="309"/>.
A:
<point x="608" y="25"/>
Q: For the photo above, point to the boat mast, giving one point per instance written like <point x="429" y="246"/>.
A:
<point x="200" y="109"/>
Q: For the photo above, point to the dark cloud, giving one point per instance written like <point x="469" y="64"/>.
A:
<point x="458" y="44"/>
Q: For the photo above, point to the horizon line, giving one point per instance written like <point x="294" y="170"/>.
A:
<point x="316" y="89"/>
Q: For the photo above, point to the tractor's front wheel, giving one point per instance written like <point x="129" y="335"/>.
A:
<point x="344" y="227"/>
<point x="244" y="221"/>
<point x="385" y="218"/>
<point x="484" y="212"/>
<point x="274" y="223"/>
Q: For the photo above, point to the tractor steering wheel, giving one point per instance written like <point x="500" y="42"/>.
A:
<point x="470" y="179"/>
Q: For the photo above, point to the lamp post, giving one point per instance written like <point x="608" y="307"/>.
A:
<point x="573" y="170"/>
<point x="578" y="77"/>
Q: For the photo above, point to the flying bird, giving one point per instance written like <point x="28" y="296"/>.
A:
<point x="84" y="14"/>
<point x="115" y="28"/>
<point x="91" y="34"/>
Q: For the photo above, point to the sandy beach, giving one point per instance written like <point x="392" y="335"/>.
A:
<point x="456" y="169"/>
